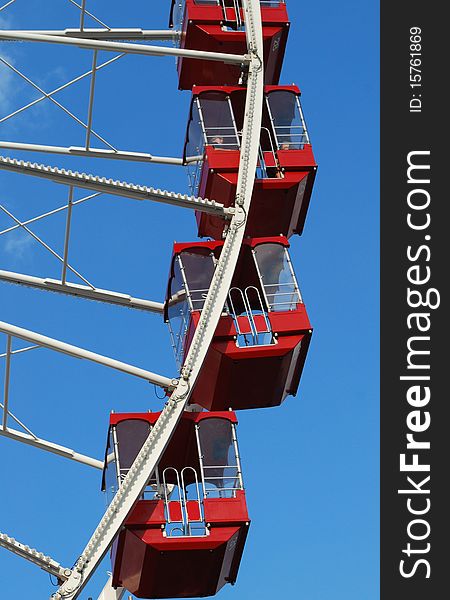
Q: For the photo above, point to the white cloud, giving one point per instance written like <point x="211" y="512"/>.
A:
<point x="17" y="244"/>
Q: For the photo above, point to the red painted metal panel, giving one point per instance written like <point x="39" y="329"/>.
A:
<point x="204" y="28"/>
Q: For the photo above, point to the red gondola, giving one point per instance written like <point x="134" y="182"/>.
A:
<point x="218" y="26"/>
<point x="259" y="348"/>
<point x="286" y="168"/>
<point x="186" y="536"/>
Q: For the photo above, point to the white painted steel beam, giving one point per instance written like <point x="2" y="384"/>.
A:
<point x="123" y="33"/>
<point x="38" y="558"/>
<point x="124" y="47"/>
<point x="76" y="352"/>
<point x="41" y="444"/>
<point x="100" y="153"/>
<point x="152" y="449"/>
<point x="82" y="291"/>
<point x="109" y="593"/>
<point x="109" y="186"/>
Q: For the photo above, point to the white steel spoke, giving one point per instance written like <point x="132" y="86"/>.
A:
<point x="139" y="473"/>
<point x="38" y="558"/>
<point x="77" y="352"/>
<point x="49" y="97"/>
<point x="60" y="88"/>
<point x="116" y="188"/>
<point x="46" y="246"/>
<point x="47" y="446"/>
<point x="49" y="213"/>
<point x="144" y="49"/>
<point x="129" y="33"/>
<point x="101" y="153"/>
<point x="81" y="291"/>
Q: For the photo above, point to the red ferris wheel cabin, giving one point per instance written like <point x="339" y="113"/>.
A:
<point x="286" y="167"/>
<point x="259" y="348"/>
<point x="219" y="26"/>
<point x="185" y="537"/>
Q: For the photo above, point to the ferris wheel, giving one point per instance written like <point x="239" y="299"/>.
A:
<point x="236" y="319"/>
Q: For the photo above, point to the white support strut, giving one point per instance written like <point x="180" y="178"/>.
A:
<point x="30" y="440"/>
<point x="152" y="449"/>
<point x="76" y="352"/>
<point x="100" y="153"/>
<point x="82" y="291"/>
<point x="124" y="47"/>
<point x="38" y="558"/>
<point x="116" y="188"/>
<point x="124" y="33"/>
<point x="109" y="593"/>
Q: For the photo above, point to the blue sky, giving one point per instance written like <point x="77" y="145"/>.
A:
<point x="311" y="466"/>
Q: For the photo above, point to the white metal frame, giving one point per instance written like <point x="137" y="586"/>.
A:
<point x="147" y="459"/>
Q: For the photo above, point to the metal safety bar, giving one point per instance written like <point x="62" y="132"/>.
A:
<point x="254" y="330"/>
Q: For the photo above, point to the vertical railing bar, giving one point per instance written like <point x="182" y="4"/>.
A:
<point x="261" y="279"/>
<point x="238" y="458"/>
<point x="202" y="121"/>
<point x="116" y="453"/>
<point x="294" y="278"/>
<point x="258" y="295"/>
<point x="183" y="276"/>
<point x="267" y="102"/>
<point x="91" y="99"/>
<point x="302" y="118"/>
<point x="166" y="499"/>
<point x="6" y="385"/>
<point x="200" y="460"/>
<point x="67" y="235"/>
<point x="234" y="122"/>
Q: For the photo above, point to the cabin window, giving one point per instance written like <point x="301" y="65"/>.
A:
<point x="124" y="442"/>
<point x="221" y="472"/>
<point x="193" y="273"/>
<point x="287" y="120"/>
<point x="277" y="277"/>
<point x="217" y="119"/>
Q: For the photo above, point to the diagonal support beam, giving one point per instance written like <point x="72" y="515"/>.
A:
<point x="81" y="291"/>
<point x="60" y="88"/>
<point x="144" y="49"/>
<point x="116" y="188"/>
<point x="55" y="102"/>
<point x="45" y="245"/>
<point x="38" y="558"/>
<point x="47" y="342"/>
